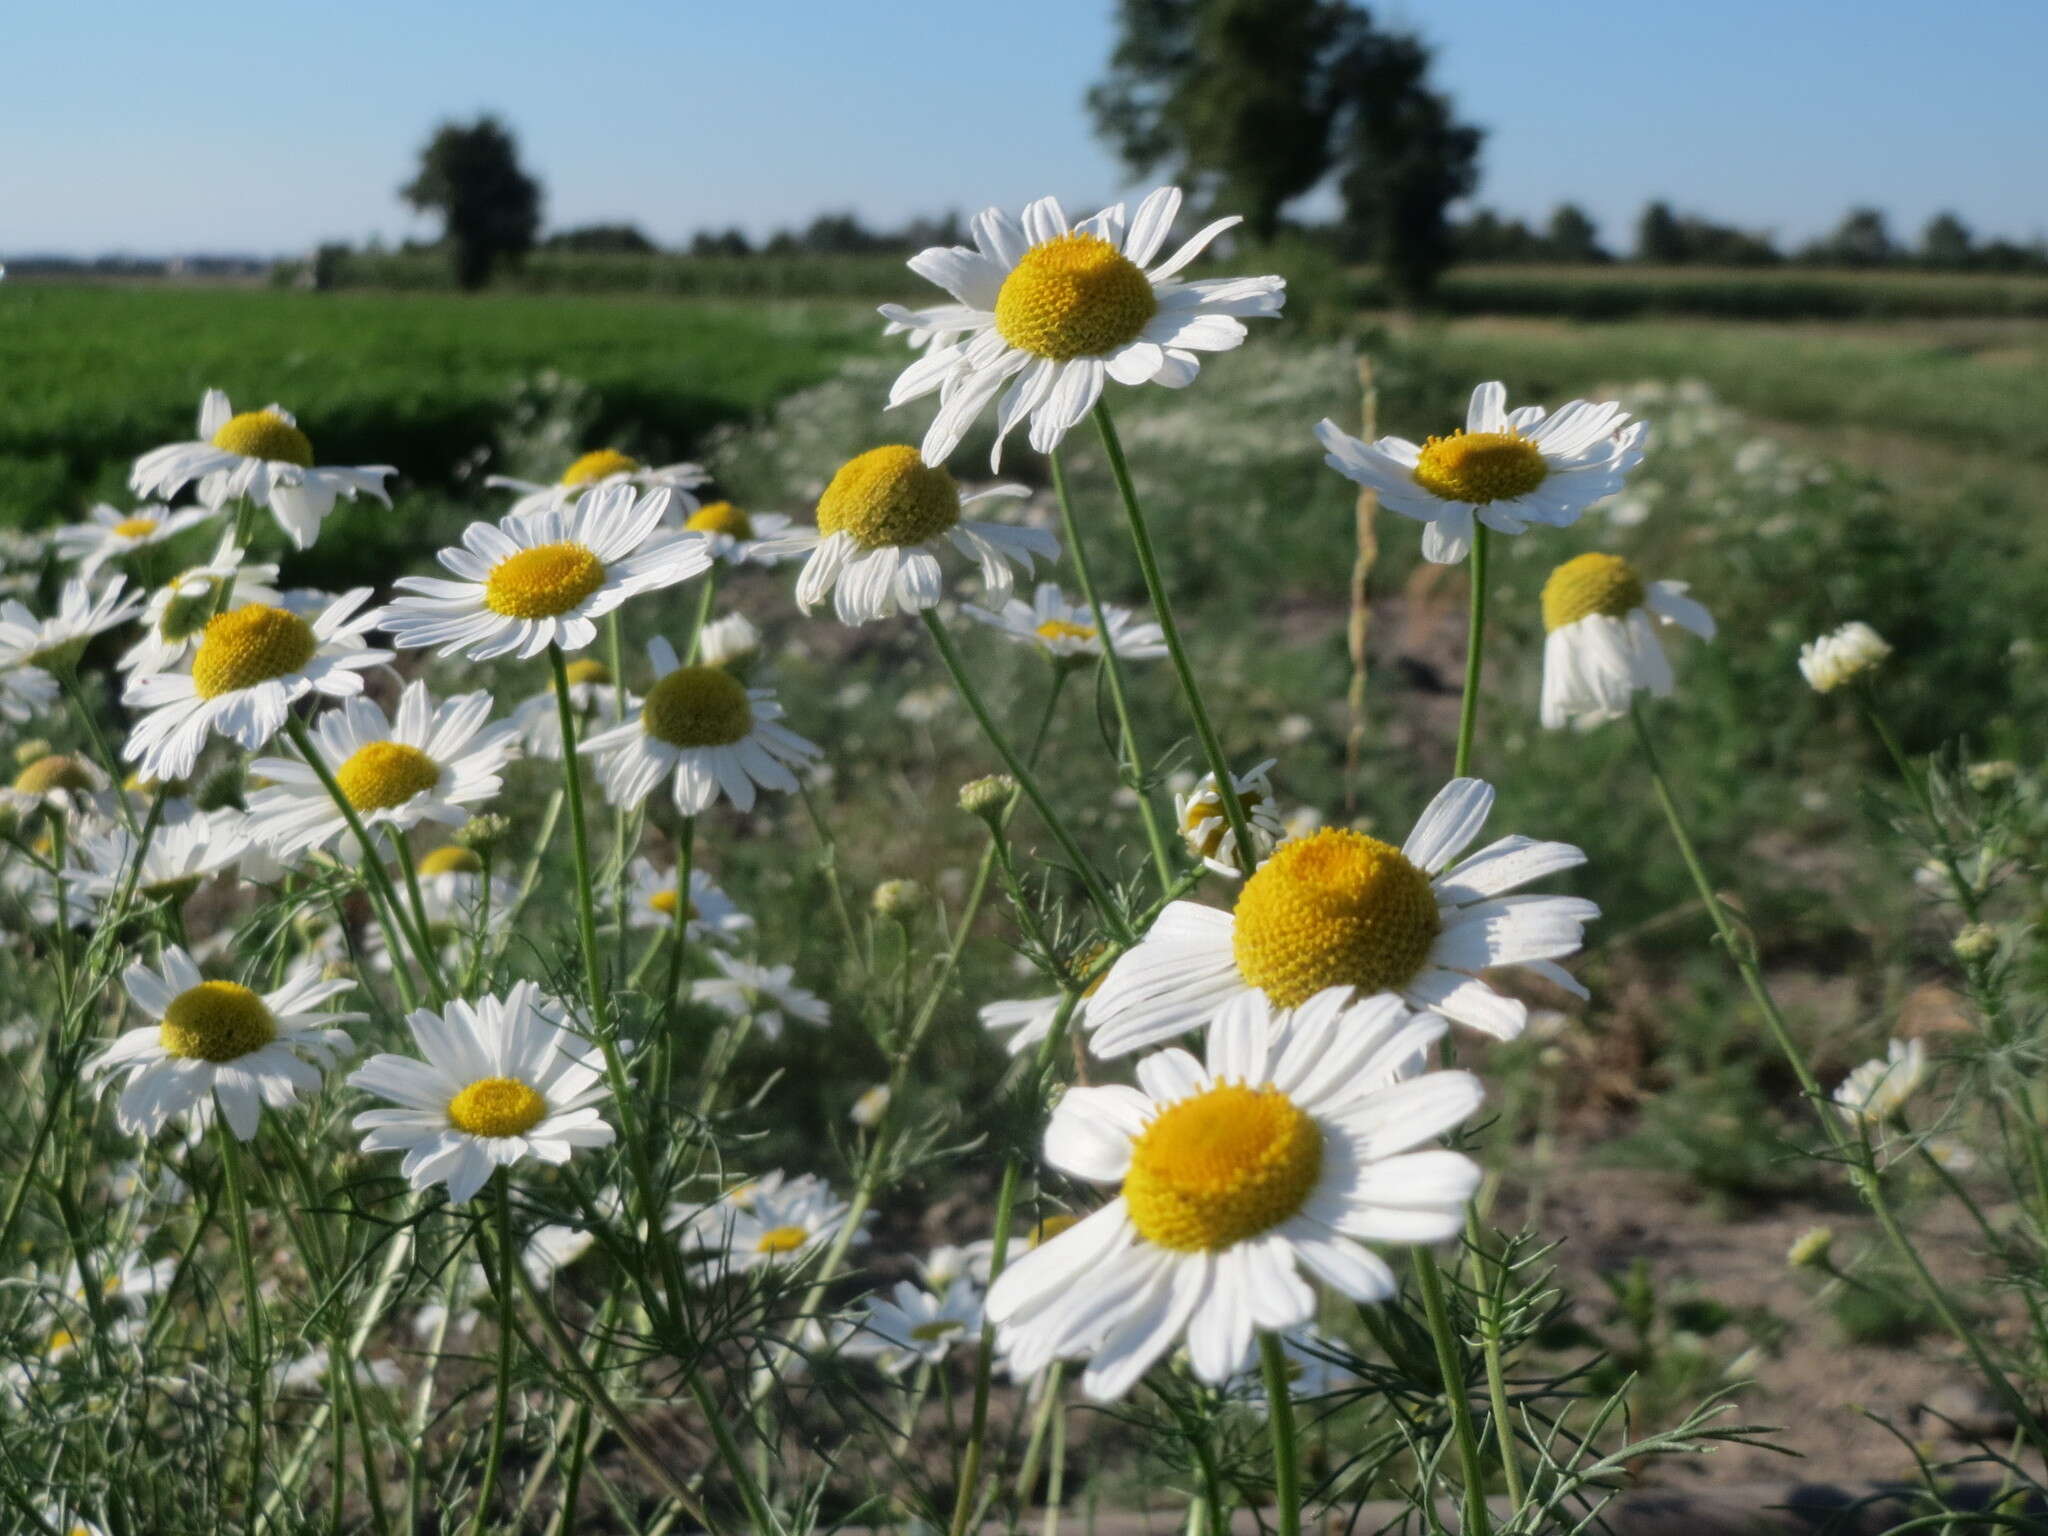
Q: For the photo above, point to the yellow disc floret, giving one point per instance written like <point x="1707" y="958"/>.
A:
<point x="782" y="1240"/>
<point x="216" y="1021"/>
<point x="451" y="859"/>
<point x="586" y="672"/>
<point x="250" y="645"/>
<point x="598" y="465"/>
<point x="698" y="707"/>
<point x="497" y="1106"/>
<point x="889" y="496"/>
<point x="1206" y="806"/>
<point x="1222" y="1167"/>
<point x="53" y="774"/>
<point x="544" y="581"/>
<point x="384" y="774"/>
<point x="1334" y="909"/>
<point x="1065" y="629"/>
<point x="265" y="435"/>
<point x="1591" y="584"/>
<point x="1480" y="466"/>
<point x="1050" y="1228"/>
<point x="135" y="527"/>
<point x="721" y="517"/>
<point x="665" y="901"/>
<point x="1074" y="296"/>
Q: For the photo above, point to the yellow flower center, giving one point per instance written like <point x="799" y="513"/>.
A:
<point x="1074" y="296"/>
<point x="721" y="517"/>
<point x="250" y="645"/>
<point x="1480" y="466"/>
<point x="583" y="672"/>
<point x="265" y="435"/>
<point x="1064" y="629"/>
<point x="782" y="1240"/>
<point x="216" y="1021"/>
<point x="544" y="581"/>
<point x="135" y="527"/>
<point x="497" y="1106"/>
<point x="1588" y="585"/>
<point x="938" y="1328"/>
<point x="1051" y="1228"/>
<point x="1222" y="1167"/>
<point x="1208" y="806"/>
<point x="599" y="464"/>
<point x="889" y="496"/>
<point x="1335" y="909"/>
<point x="697" y="707"/>
<point x="386" y="774"/>
<point x="451" y="859"/>
<point x="664" y="902"/>
<point x="48" y="775"/>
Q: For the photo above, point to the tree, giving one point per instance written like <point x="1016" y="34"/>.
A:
<point x="1946" y="243"/>
<point x="1860" y="240"/>
<point x="1574" y="236"/>
<point x="602" y="240"/>
<point x="490" y="208"/>
<point x="1658" y="237"/>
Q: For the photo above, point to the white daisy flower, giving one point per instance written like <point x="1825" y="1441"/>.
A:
<point x="261" y="455"/>
<point x="950" y="1262"/>
<point x="109" y="533"/>
<point x="593" y="696"/>
<point x="777" y="1227"/>
<point x="1294" y="1145"/>
<point x="452" y="894"/>
<point x="541" y="578"/>
<point x="1205" y="826"/>
<point x="1065" y="631"/>
<point x="504" y="1078"/>
<point x="188" y="847"/>
<point x="312" y="1372"/>
<point x="1340" y="909"/>
<point x="219" y="1043"/>
<point x="727" y="642"/>
<point x="883" y="522"/>
<point x="1878" y="1090"/>
<point x="427" y="764"/>
<point x="1842" y="654"/>
<point x="651" y="903"/>
<point x="763" y="993"/>
<point x="177" y="612"/>
<point x="127" y="1279"/>
<point x="911" y="1326"/>
<point x="1506" y="468"/>
<point x="1601" y="646"/>
<point x="1031" y="1018"/>
<point x="58" y="781"/>
<point x="707" y="732"/>
<point x="251" y="665"/>
<point x="603" y="469"/>
<point x="740" y="537"/>
<point x="56" y="642"/>
<point x="25" y="692"/>
<point x="1052" y="310"/>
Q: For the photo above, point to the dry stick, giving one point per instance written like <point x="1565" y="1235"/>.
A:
<point x="1856" y="1154"/>
<point x="1359" y="626"/>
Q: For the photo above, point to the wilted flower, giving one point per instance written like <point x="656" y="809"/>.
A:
<point x="1841" y="655"/>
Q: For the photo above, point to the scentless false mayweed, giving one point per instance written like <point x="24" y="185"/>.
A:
<point x="883" y="521"/>
<point x="1205" y="826"/>
<point x="1287" y="1150"/>
<point x="651" y="898"/>
<point x="602" y="469"/>
<point x="1341" y="909"/>
<point x="1052" y="311"/>
<point x="1067" y="631"/>
<point x="108" y="533"/>
<point x="1505" y="469"/>
<point x="1842" y="655"/>
<point x="1600" y="646"/>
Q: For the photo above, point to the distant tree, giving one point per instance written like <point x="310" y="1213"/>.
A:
<point x="1860" y="240"/>
<point x="1659" y="240"/>
<point x="1232" y="98"/>
<point x="490" y="208"/>
<point x="2010" y="256"/>
<point x="1946" y="243"/>
<point x="602" y="240"/>
<point x="1573" y="236"/>
<point x="1488" y="237"/>
<point x="839" y="234"/>
<point x="723" y="242"/>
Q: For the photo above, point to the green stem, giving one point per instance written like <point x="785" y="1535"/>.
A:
<point x="419" y="907"/>
<point x="245" y="519"/>
<point x="1280" y="1419"/>
<point x="1475" y="652"/>
<point x="829" y="864"/>
<point x="679" y="932"/>
<point x="1097" y="891"/>
<point x="1119" y="683"/>
<point x="252" y="1309"/>
<point x="1162" y="612"/>
<point x="1429" y="1280"/>
<point x="694" y="639"/>
<point x="501" y="1385"/>
<point x="74" y="694"/>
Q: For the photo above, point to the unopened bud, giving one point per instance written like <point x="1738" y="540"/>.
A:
<point x="986" y="797"/>
<point x="1977" y="941"/>
<point x="481" y="833"/>
<point x="32" y="749"/>
<point x="869" y="1108"/>
<point x="1813" y="1250"/>
<point x="898" y="898"/>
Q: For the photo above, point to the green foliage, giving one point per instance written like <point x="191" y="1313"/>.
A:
<point x="490" y="208"/>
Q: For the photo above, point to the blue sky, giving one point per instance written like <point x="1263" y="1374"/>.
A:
<point x="141" y="126"/>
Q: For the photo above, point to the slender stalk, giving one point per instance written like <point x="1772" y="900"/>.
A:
<point x="679" y="931"/>
<point x="1475" y="651"/>
<point x="1478" y="1521"/>
<point x="103" y="754"/>
<point x="1162" y="612"/>
<point x="1280" y="1419"/>
<point x="829" y="864"/>
<point x="501" y="1385"/>
<point x="245" y="518"/>
<point x="252" y="1308"/>
<point x="418" y="899"/>
<point x="1097" y="891"/>
<point x="1113" y="665"/>
<point x="694" y="639"/>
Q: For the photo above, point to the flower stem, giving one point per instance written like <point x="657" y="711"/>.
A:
<point x="501" y="1386"/>
<point x="1429" y="1280"/>
<point x="419" y="905"/>
<point x="1475" y="653"/>
<point x="693" y="641"/>
<point x="252" y="1309"/>
<point x="1097" y="891"/>
<point x="1113" y="665"/>
<point x="1162" y="611"/>
<point x="1280" y="1420"/>
<point x="245" y="518"/>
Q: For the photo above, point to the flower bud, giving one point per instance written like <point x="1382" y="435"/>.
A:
<point x="899" y="899"/>
<point x="483" y="833"/>
<point x="1813" y="1250"/>
<point x="986" y="797"/>
<point x="1977" y="941"/>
